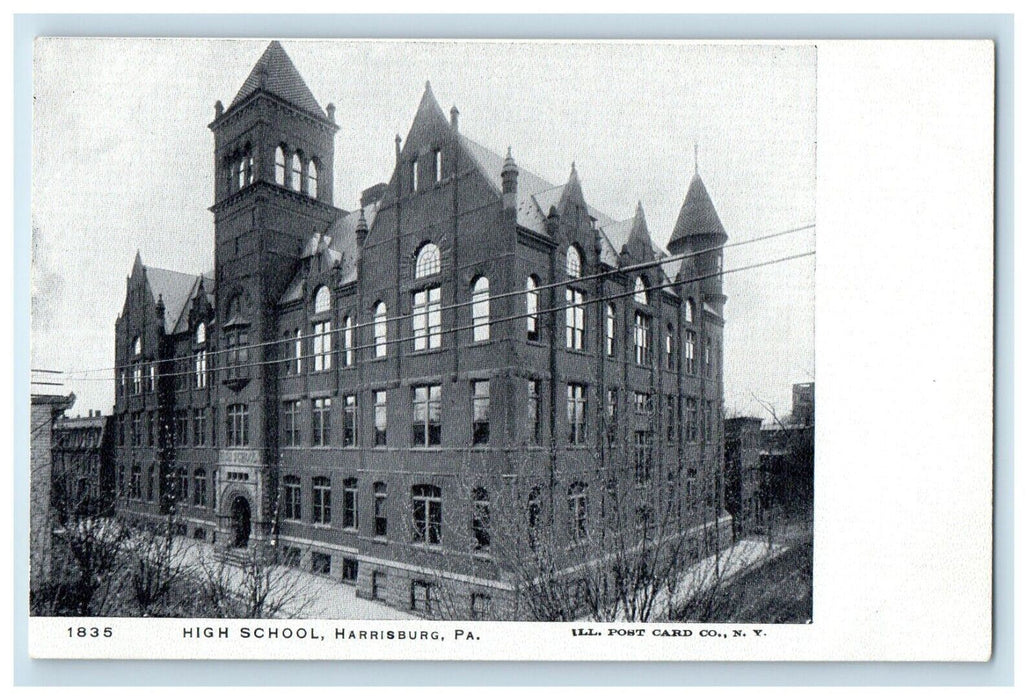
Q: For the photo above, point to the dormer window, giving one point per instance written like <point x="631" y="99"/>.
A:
<point x="322" y="301"/>
<point x="429" y="261"/>
<point x="296" y="172"/>
<point x="640" y="291"/>
<point x="281" y="166"/>
<point x="573" y="263"/>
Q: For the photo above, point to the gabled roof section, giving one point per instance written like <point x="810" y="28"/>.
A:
<point x="203" y="284"/>
<point x="276" y="74"/>
<point x="175" y="288"/>
<point x="697" y="216"/>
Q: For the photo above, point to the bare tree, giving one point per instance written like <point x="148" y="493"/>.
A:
<point x="252" y="585"/>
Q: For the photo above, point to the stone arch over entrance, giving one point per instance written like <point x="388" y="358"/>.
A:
<point x="240" y="521"/>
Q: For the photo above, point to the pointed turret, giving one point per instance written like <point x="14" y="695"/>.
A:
<point x="275" y="74"/>
<point x="699" y="230"/>
<point x="638" y="247"/>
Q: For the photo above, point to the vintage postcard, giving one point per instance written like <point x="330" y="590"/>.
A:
<point x="469" y="350"/>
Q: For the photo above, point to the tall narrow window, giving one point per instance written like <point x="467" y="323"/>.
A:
<point x="670" y="418"/>
<point x="296" y="172"/>
<point x="348" y="429"/>
<point x="349" y="510"/>
<point x="237" y="353"/>
<point x="688" y="312"/>
<point x="427" y="514"/>
<point x="640" y="291"/>
<point x="573" y="262"/>
<point x="427" y="415"/>
<point x="321" y="422"/>
<point x="641" y="338"/>
<point x="312" y="179"/>
<point x="322" y="346"/>
<point x="575" y="320"/>
<point x="200" y="482"/>
<point x="297" y="351"/>
<point x="438" y="165"/>
<point x="577" y="512"/>
<point x="346" y="340"/>
<point x="281" y="166"/>
<point x="380" y="509"/>
<point x="414" y="170"/>
<point x="532" y="307"/>
<point x="380" y="418"/>
<point x="480" y="523"/>
<point x="609" y="330"/>
<point x="688" y="350"/>
<point x="480" y="309"/>
<point x="199" y="427"/>
<point x="535" y="509"/>
<point x="577" y="413"/>
<point x="670" y="351"/>
<point x="429" y="261"/>
<point x="380" y="329"/>
<point x="321" y="500"/>
<point x="480" y="412"/>
<point x="534" y="412"/>
<point x="292" y="498"/>
<point x="642" y="455"/>
<point x="200" y="358"/>
<point x="427" y="319"/>
<point x="237" y="425"/>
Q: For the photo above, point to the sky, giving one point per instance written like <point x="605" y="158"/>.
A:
<point x="123" y="161"/>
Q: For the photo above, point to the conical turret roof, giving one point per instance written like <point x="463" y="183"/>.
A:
<point x="276" y="74"/>
<point x="697" y="217"/>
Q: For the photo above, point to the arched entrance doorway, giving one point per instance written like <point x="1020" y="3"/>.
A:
<point x="240" y="521"/>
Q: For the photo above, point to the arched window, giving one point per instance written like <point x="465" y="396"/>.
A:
<point x="296" y="172"/>
<point x="136" y="345"/>
<point x="281" y="173"/>
<point x="380" y="329"/>
<point x="532" y="306"/>
<point x="322" y="300"/>
<point x="480" y="518"/>
<point x="199" y="334"/>
<point x="429" y="261"/>
<point x="312" y="179"/>
<point x="609" y="330"/>
<point x="573" y="263"/>
<point x="480" y="308"/>
<point x="640" y="291"/>
<point x="688" y="311"/>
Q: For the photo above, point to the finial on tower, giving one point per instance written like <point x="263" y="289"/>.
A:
<point x="454" y="118"/>
<point x="398" y="146"/>
<point x="695" y="157"/>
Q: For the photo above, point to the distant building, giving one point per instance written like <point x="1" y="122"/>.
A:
<point x="803" y="404"/>
<point x="340" y="378"/>
<point x="45" y="410"/>
<point x="743" y="479"/>
<point x="83" y="479"/>
<point x="787" y="454"/>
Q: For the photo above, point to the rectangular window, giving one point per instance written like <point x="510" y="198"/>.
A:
<point x="138" y="379"/>
<point x="292" y="423"/>
<point x="692" y="424"/>
<point x="670" y="431"/>
<point x="321" y="563"/>
<point x="612" y="415"/>
<point x="427" y="415"/>
<point x="481" y="605"/>
<point x="295" y="363"/>
<point x="670" y="352"/>
<point x="420" y="596"/>
<point x="322" y="501"/>
<point x="349" y="503"/>
<point x="237" y="425"/>
<point x="182" y="427"/>
<point x="322" y="346"/>
<point x="577" y="413"/>
<point x="641" y="403"/>
<point x="200" y="483"/>
<point x="642" y="455"/>
<point x="688" y="350"/>
<point x="641" y="338"/>
<point x="377" y="582"/>
<point x="346" y="340"/>
<point x="480" y="412"/>
<point x="237" y="354"/>
<point x="292" y="498"/>
<point x="348" y="430"/>
<point x="200" y="429"/>
<point x="200" y="369"/>
<point x="427" y="319"/>
<point x="321" y="422"/>
<point x="427" y="514"/>
<point x="575" y="320"/>
<point x="152" y="382"/>
<point x="380" y="418"/>
<point x="480" y="520"/>
<point x="349" y="570"/>
<point x="577" y="512"/>
<point x="380" y="510"/>
<point x="149" y="422"/>
<point x="136" y="429"/>
<point x="534" y="413"/>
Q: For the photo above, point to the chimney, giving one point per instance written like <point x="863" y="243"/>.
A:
<point x="330" y="111"/>
<point x="219" y="109"/>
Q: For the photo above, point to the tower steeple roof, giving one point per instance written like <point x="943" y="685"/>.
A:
<point x="697" y="217"/>
<point x="276" y="74"/>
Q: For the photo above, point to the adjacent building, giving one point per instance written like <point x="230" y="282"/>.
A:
<point x="353" y="385"/>
<point x="744" y="482"/>
<point x="45" y="409"/>
<point x="83" y="476"/>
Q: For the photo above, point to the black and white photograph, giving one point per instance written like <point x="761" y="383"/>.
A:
<point x="424" y="333"/>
